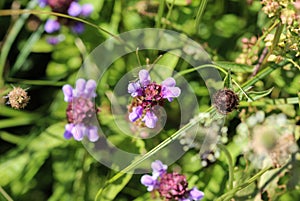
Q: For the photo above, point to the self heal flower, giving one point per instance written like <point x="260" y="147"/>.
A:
<point x="74" y="9"/>
<point x="147" y="95"/>
<point x="170" y="186"/>
<point x="81" y="110"/>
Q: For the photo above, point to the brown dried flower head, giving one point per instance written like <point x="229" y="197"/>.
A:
<point x="18" y="98"/>
<point x="225" y="100"/>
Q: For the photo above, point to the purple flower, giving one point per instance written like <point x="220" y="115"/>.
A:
<point x="150" y="119"/>
<point x="146" y="95"/>
<point x="42" y="3"/>
<point x="51" y="26"/>
<point x="149" y="182"/>
<point x="86" y="10"/>
<point x="134" y="88"/>
<point x="158" y="168"/>
<point x="169" y="90"/>
<point x="74" y="9"/>
<point x="170" y="186"/>
<point x="81" y="110"/>
<point x="195" y="194"/>
<point x="136" y="113"/>
<point x="78" y="27"/>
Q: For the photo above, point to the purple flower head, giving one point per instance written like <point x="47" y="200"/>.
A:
<point x="158" y="168"/>
<point x="51" y="26"/>
<point x="74" y="9"/>
<point x="147" y="95"/>
<point x="170" y="186"/>
<point x="86" y="10"/>
<point x="78" y="27"/>
<point x="81" y="110"/>
<point x="149" y="182"/>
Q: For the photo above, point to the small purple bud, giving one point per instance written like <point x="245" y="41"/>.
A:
<point x="144" y="77"/>
<point x="86" y="10"/>
<point x="150" y="119"/>
<point x="42" y="3"/>
<point x="51" y="26"/>
<point x="68" y="92"/>
<point x="74" y="9"/>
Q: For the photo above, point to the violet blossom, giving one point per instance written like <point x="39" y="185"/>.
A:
<point x="81" y="110"/>
<point x="170" y="186"/>
<point x="146" y="95"/>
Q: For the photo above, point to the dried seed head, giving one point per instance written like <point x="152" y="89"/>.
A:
<point x="18" y="98"/>
<point x="225" y="100"/>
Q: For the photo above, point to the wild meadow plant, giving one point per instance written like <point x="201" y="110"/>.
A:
<point x="173" y="100"/>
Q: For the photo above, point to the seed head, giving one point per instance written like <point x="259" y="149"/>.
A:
<point x="225" y="100"/>
<point x="18" y="98"/>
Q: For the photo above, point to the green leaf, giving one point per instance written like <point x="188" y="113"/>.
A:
<point x="255" y="95"/>
<point x="164" y="67"/>
<point x="110" y="192"/>
<point x="234" y="67"/>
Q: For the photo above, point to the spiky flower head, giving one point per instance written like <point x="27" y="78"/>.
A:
<point x="18" y="98"/>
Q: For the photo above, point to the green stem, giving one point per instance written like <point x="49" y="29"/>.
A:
<point x="5" y="195"/>
<point x="230" y="194"/>
<point x="36" y="82"/>
<point x="230" y="164"/>
<point x="280" y="101"/>
<point x="200" y="12"/>
<point x="156" y="149"/>
<point x="168" y="14"/>
<point x="160" y="13"/>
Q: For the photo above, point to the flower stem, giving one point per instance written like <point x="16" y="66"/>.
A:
<point x="5" y="195"/>
<point x="230" y="164"/>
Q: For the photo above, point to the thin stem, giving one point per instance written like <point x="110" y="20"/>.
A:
<point x="230" y="164"/>
<point x="5" y="195"/>
<point x="169" y="13"/>
<point x="200" y="12"/>
<point x="160" y="13"/>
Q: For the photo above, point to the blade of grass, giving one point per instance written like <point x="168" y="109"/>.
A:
<point x="35" y="36"/>
<point x="200" y="12"/>
<point x="160" y="13"/>
<point x="11" y="36"/>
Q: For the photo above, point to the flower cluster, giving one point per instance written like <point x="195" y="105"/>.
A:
<point x="81" y="110"/>
<point x="171" y="186"/>
<point x="69" y="7"/>
<point x="249" y="51"/>
<point x="146" y="95"/>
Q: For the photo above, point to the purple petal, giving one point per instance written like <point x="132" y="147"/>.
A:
<point x="134" y="89"/>
<point x="42" y="3"/>
<point x="150" y="119"/>
<point x="158" y="168"/>
<point x="169" y="82"/>
<point x="68" y="131"/>
<point x="78" y="28"/>
<point x="51" y="26"/>
<point x="195" y="194"/>
<point x="93" y="134"/>
<point x="170" y="92"/>
<point x="80" y="87"/>
<point x="149" y="182"/>
<point x="136" y="113"/>
<point x="74" y="9"/>
<point x="68" y="92"/>
<point x="86" y="10"/>
<point x="78" y="132"/>
<point x="144" y="77"/>
<point x="90" y="88"/>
